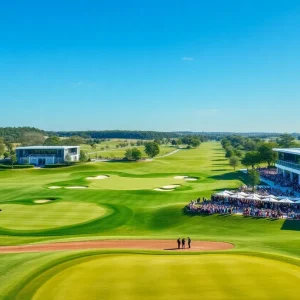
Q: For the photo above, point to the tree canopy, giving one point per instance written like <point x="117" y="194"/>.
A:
<point x="151" y="149"/>
<point x="133" y="154"/>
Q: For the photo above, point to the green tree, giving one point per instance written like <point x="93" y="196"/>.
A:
<point x="6" y="154"/>
<point x="2" y="148"/>
<point x="33" y="139"/>
<point x="252" y="159"/>
<point x="234" y="161"/>
<point x="267" y="154"/>
<point x="128" y="154"/>
<point x="286" y="141"/>
<point x="133" y="154"/>
<point x="253" y="178"/>
<point x="174" y="142"/>
<point x="13" y="160"/>
<point x="68" y="158"/>
<point x="9" y="146"/>
<point x="229" y="151"/>
<point x="83" y="156"/>
<point x="53" y="141"/>
<point x="195" y="142"/>
<point x="151" y="149"/>
<point x="74" y="141"/>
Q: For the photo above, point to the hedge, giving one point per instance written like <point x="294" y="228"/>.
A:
<point x="16" y="166"/>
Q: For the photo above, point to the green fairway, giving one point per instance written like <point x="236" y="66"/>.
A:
<point x="125" y="206"/>
<point x="170" y="277"/>
<point x="50" y="215"/>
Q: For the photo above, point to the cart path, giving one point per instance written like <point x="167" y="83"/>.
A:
<point x="168" y="245"/>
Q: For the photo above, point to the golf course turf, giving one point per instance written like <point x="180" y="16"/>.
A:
<point x="264" y="263"/>
<point x="168" y="277"/>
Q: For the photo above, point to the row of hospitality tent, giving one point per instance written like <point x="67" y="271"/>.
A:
<point x="257" y="197"/>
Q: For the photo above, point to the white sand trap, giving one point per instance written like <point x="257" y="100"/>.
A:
<point x="41" y="201"/>
<point x="191" y="179"/>
<point x="97" y="177"/>
<point x="163" y="190"/>
<point x="54" y="187"/>
<point x="76" y="187"/>
<point x="180" y="177"/>
<point x="171" y="186"/>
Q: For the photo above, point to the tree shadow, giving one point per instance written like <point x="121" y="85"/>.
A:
<point x="220" y="159"/>
<point x="231" y="176"/>
<point x="220" y="170"/>
<point x="291" y="225"/>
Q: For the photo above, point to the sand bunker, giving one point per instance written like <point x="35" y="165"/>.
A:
<point x="180" y="177"/>
<point x="97" y="177"/>
<point x="76" y="187"/>
<point x="191" y="179"/>
<point x="163" y="245"/>
<point x="41" y="201"/>
<point x="171" y="186"/>
<point x="187" y="178"/>
<point x="54" y="187"/>
<point x="163" y="190"/>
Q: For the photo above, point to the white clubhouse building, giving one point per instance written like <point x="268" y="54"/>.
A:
<point x="288" y="163"/>
<point x="47" y="155"/>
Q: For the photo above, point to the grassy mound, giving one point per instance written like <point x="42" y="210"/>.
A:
<point x="169" y="277"/>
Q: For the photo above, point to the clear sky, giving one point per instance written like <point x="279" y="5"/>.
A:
<point x="150" y="65"/>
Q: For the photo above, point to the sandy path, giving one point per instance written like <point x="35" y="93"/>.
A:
<point x="118" y="244"/>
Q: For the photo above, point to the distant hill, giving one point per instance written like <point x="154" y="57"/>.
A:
<point x="15" y="134"/>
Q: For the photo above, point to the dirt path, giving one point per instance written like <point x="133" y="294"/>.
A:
<point x="168" y="245"/>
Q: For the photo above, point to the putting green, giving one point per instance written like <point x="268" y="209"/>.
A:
<point x="115" y="182"/>
<point x="171" y="277"/>
<point x="51" y="215"/>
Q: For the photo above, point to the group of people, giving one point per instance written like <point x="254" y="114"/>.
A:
<point x="181" y="243"/>
<point x="279" y="179"/>
<point x="263" y="213"/>
<point x="211" y="208"/>
<point x="219" y="205"/>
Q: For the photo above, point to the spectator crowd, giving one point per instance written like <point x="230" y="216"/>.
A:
<point x="218" y="205"/>
<point x="280" y="180"/>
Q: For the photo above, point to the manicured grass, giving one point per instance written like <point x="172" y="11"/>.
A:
<point x="120" y="152"/>
<point x="134" y="210"/>
<point x="170" y="277"/>
<point x="46" y="216"/>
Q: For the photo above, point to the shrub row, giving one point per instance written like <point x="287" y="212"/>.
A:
<point x="6" y="166"/>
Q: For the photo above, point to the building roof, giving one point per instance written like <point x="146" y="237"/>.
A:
<point x="295" y="151"/>
<point x="45" y="147"/>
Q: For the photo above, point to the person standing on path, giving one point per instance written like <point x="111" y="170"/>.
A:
<point x="189" y="242"/>
<point x="178" y="243"/>
<point x="183" y="243"/>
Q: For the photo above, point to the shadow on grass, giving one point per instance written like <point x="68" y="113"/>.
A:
<point x="291" y="225"/>
<point x="231" y="176"/>
<point x="220" y="170"/>
<point x="220" y="159"/>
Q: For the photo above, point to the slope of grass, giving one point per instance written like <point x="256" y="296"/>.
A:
<point x="159" y="277"/>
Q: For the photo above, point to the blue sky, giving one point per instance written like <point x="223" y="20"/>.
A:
<point x="151" y="65"/>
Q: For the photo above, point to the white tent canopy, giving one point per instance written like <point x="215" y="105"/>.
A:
<point x="222" y="194"/>
<point x="228" y="192"/>
<point x="270" y="199"/>
<point x="270" y="196"/>
<point x="286" y="200"/>
<point x="254" y="197"/>
<point x="237" y="196"/>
